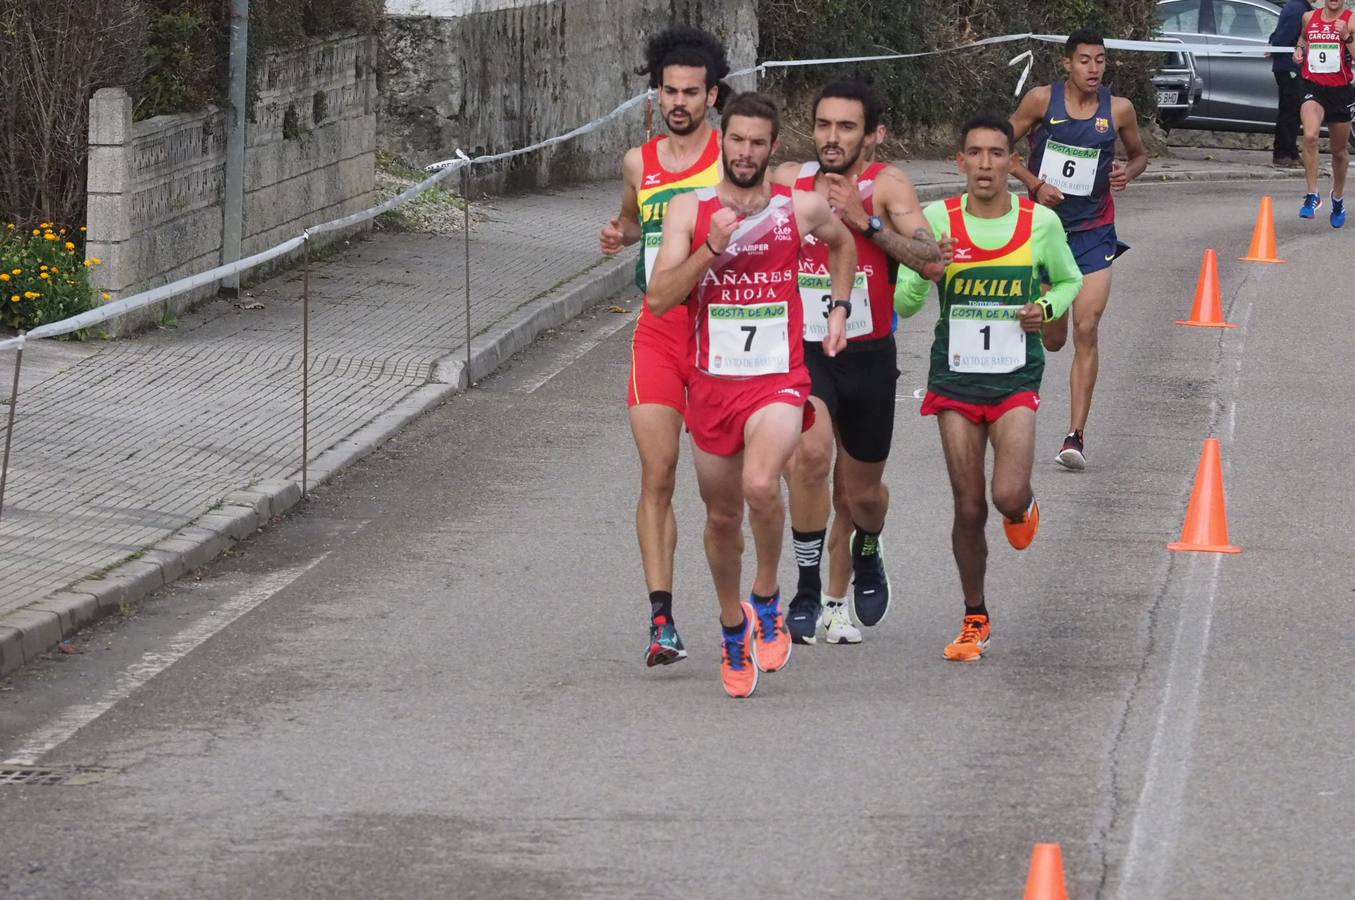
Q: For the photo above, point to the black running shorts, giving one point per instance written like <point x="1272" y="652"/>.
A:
<point x="858" y="387"/>
<point x="1336" y="101"/>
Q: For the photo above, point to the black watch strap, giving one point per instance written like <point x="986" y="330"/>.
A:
<point x="873" y="227"/>
<point x="845" y="304"/>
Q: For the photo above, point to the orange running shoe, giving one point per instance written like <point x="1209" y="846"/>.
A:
<point x="971" y="643"/>
<point x="738" y="664"/>
<point x="773" y="637"/>
<point x="1021" y="534"/>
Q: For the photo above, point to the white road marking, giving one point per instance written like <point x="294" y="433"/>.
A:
<point x="1157" y="815"/>
<point x="576" y="353"/>
<point x="153" y="662"/>
<point x="919" y="394"/>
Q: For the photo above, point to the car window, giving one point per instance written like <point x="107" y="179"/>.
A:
<point x="1243" y="20"/>
<point x="1182" y="16"/>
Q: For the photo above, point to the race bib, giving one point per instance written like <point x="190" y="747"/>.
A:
<point x="1070" y="169"/>
<point x="652" y="240"/>
<point x="749" y="340"/>
<point x="814" y="294"/>
<point x="986" y="339"/>
<point x="1324" y="59"/>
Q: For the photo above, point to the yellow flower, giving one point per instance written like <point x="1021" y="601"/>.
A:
<point x="83" y="228"/>
<point x="88" y="263"/>
<point x="107" y="296"/>
<point x="32" y="295"/>
<point x="97" y="261"/>
<point x="9" y="225"/>
<point x="43" y="268"/>
<point x="44" y="276"/>
<point x="49" y="236"/>
<point x="37" y="231"/>
<point x="4" y="276"/>
<point x="45" y="225"/>
<point x="55" y="269"/>
<point x="14" y="299"/>
<point x="18" y="271"/>
<point x="70" y="246"/>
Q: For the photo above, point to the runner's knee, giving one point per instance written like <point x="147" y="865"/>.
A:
<point x="812" y="460"/>
<point x="971" y="512"/>
<point x="658" y="479"/>
<point x="724" y="520"/>
<point x="762" y="492"/>
<point x="1011" y="501"/>
<point x="1086" y="329"/>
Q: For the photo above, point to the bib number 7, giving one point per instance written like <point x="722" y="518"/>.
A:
<point x="751" y="339"/>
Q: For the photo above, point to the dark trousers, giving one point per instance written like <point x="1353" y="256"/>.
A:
<point x="1287" y="120"/>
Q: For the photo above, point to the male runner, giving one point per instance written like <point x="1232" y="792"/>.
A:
<point x="853" y="393"/>
<point x="987" y="356"/>
<point x="1323" y="52"/>
<point x="731" y="253"/>
<point x="685" y="65"/>
<point x="1073" y="126"/>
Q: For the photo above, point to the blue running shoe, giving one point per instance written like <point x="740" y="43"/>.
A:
<point x="803" y="620"/>
<point x="665" y="646"/>
<point x="870" y="584"/>
<point x="1338" y="212"/>
<point x="1311" y="204"/>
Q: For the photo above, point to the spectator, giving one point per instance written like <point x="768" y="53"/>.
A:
<point x="1287" y="79"/>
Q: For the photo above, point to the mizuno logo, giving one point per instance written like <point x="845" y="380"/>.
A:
<point x="1057" y="121"/>
<point x="962" y="253"/>
<point x="651" y="180"/>
<point x="792" y="391"/>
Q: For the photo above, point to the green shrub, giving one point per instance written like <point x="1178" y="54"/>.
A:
<point x="44" y="277"/>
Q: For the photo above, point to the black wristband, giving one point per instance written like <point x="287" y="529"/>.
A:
<point x="710" y="248"/>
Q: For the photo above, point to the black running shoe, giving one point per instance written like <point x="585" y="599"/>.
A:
<point x="1071" y="455"/>
<point x="870" y="586"/>
<point x="803" y="618"/>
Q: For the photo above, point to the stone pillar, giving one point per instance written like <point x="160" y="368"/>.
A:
<point x="109" y="220"/>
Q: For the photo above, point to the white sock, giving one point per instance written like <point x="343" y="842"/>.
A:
<point x="833" y="601"/>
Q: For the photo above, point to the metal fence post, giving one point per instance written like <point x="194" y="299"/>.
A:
<point x="233" y="191"/>
<point x="9" y="430"/>
<point x="465" y="199"/>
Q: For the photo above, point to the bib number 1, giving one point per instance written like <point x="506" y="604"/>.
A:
<point x="986" y="339"/>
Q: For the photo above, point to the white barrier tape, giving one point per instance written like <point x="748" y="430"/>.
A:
<point x="1234" y="50"/>
<point x="407" y="194"/>
<point x="1029" y="57"/>
<point x="14" y="343"/>
<point x="164" y="292"/>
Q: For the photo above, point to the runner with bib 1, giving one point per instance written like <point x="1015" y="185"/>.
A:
<point x="986" y="339"/>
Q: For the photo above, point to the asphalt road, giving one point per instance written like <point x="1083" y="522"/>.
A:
<point x="429" y="682"/>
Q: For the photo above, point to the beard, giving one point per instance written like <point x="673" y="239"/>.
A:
<point x="751" y="181"/>
<point x="689" y="124"/>
<point x="843" y="167"/>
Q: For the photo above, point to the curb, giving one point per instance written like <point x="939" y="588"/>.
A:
<point x="32" y="631"/>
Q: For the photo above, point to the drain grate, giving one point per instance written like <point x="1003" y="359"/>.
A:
<point x="54" y="775"/>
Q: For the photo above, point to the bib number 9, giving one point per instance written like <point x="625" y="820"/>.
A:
<point x="1324" y="59"/>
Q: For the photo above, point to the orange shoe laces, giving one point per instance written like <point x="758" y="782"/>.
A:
<point x="972" y="630"/>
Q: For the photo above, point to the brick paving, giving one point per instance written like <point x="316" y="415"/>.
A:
<point x="118" y="445"/>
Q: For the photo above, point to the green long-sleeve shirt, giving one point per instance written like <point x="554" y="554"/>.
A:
<point x="979" y="353"/>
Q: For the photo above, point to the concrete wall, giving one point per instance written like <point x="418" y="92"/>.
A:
<point x="492" y="75"/>
<point x="155" y="187"/>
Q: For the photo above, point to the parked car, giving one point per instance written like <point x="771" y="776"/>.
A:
<point x="1237" y="93"/>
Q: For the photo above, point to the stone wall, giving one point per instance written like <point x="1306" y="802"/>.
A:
<point x="156" y="187"/>
<point x="493" y="75"/>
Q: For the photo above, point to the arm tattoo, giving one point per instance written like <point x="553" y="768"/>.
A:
<point x="914" y="252"/>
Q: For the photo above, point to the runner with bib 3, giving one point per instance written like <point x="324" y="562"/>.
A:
<point x="987" y="357"/>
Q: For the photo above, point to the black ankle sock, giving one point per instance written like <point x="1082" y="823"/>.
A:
<point x="980" y="610"/>
<point x="859" y="540"/>
<point x="661" y="604"/>
<point x="758" y="598"/>
<point x="736" y="630"/>
<point x="808" y="554"/>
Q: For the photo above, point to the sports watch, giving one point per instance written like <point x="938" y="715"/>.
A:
<point x="845" y="304"/>
<point x="873" y="227"/>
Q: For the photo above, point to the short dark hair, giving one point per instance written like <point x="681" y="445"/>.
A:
<point x="753" y="105"/>
<point x="858" y="90"/>
<point x="988" y="121"/>
<point x="683" y="45"/>
<point x="1080" y="37"/>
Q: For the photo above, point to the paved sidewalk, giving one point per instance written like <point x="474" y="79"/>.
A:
<point x="137" y="460"/>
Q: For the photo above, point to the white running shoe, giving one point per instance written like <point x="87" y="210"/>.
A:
<point x="838" y="622"/>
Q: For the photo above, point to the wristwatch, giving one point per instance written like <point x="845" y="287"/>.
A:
<point x="873" y="227"/>
<point x="845" y="304"/>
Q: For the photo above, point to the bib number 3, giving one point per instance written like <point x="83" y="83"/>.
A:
<point x="749" y="340"/>
<point x="817" y="300"/>
<point x="986" y="339"/>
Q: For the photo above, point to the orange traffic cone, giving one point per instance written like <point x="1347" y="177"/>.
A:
<point x="1208" y="310"/>
<point x="1206" y="527"/>
<point x="1263" y="236"/>
<point x="1045" y="881"/>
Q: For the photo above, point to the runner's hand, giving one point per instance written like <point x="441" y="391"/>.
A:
<point x="836" y="340"/>
<point x="1119" y="176"/>
<point x="1031" y="318"/>
<point x="1342" y="30"/>
<point x="845" y="198"/>
<point x="611" y="238"/>
<point x="1048" y="195"/>
<point x="935" y="271"/>
<point x="722" y="226"/>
